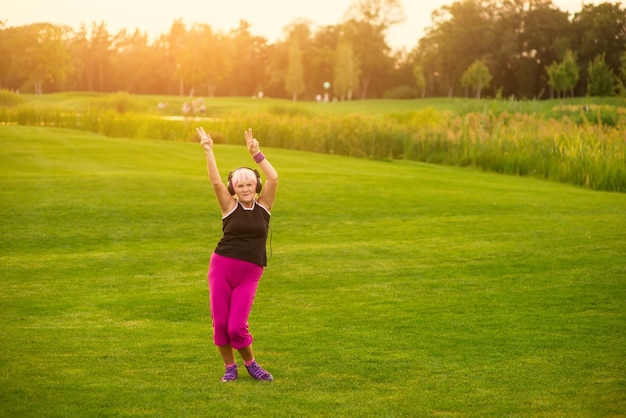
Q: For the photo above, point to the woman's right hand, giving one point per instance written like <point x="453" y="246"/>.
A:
<point x="205" y="139"/>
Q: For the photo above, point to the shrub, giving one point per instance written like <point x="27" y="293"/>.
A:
<point x="8" y="98"/>
<point x="401" y="92"/>
<point x="120" y="102"/>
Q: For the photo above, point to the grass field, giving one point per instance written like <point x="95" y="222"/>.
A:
<point x="394" y="288"/>
<point x="220" y="106"/>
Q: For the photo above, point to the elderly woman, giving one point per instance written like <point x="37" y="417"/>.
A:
<point x="239" y="258"/>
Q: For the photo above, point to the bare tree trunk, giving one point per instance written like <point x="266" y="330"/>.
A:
<point x="101" y="75"/>
<point x="89" y="73"/>
<point x="366" y="82"/>
<point x="37" y="84"/>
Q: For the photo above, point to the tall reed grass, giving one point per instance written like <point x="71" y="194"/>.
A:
<point x="577" y="146"/>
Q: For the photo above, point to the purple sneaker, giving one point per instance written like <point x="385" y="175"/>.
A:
<point x="259" y="373"/>
<point x="230" y="374"/>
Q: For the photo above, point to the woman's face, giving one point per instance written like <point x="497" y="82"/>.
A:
<point x="246" y="191"/>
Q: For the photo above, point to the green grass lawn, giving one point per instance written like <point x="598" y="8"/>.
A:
<point x="220" y="106"/>
<point x="394" y="288"/>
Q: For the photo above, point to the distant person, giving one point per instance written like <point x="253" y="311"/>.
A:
<point x="202" y="106"/>
<point x="237" y="263"/>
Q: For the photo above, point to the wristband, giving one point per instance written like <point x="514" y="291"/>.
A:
<point x="258" y="157"/>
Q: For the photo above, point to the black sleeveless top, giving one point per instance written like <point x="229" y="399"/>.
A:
<point x="245" y="234"/>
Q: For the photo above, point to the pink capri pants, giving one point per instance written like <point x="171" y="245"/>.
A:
<point x="232" y="287"/>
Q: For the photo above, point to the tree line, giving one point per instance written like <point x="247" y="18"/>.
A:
<point x="499" y="48"/>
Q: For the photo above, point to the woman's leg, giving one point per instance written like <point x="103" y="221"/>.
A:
<point x="241" y="305"/>
<point x="227" y="353"/>
<point x="246" y="353"/>
<point x="242" y="298"/>
<point x="220" y="293"/>
<point x="233" y="285"/>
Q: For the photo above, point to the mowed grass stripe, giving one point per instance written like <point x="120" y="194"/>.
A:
<point x="394" y="288"/>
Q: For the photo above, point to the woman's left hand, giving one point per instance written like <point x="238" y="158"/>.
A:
<point x="251" y="142"/>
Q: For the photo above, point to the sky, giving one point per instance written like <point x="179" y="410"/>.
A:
<point x="266" y="17"/>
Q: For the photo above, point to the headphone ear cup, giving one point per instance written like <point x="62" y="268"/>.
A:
<point x="229" y="185"/>
<point x="259" y="184"/>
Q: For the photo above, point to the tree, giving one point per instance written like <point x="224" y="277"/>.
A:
<point x="461" y="35"/>
<point x="428" y="57"/>
<point x="601" y="78"/>
<point x="12" y="41"/>
<point x="247" y="61"/>
<point x="98" y="58"/>
<point x="346" y="78"/>
<point x="543" y="35"/>
<point x="572" y="71"/>
<point x="516" y="39"/>
<point x="372" y="53"/>
<point x="420" y="81"/>
<point x="125" y="71"/>
<point x="380" y="13"/>
<point x="5" y="51"/>
<point x="196" y="58"/>
<point x="78" y="48"/>
<point x="503" y="54"/>
<point x="45" y="58"/>
<point x="563" y="76"/>
<point x="599" y="30"/>
<point x="622" y="78"/>
<point x="190" y="57"/>
<point x="320" y="58"/>
<point x="476" y="76"/>
<point x="557" y="78"/>
<point x="311" y="53"/>
<point x="294" y="82"/>
<point x="174" y="45"/>
<point x="365" y="26"/>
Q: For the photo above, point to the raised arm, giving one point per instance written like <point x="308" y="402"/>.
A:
<point x="268" y="193"/>
<point x="224" y="199"/>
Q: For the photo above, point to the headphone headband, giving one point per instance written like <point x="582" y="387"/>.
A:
<point x="231" y="188"/>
